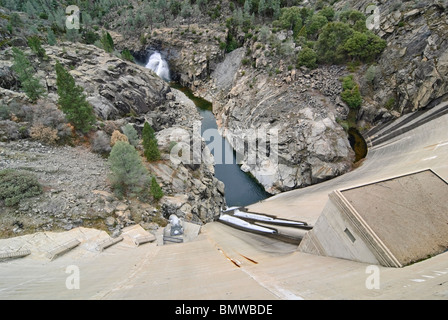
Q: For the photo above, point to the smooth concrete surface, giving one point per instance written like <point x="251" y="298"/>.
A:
<point x="224" y="263"/>
<point x="329" y="237"/>
<point x="409" y="214"/>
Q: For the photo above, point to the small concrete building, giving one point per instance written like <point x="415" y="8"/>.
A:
<point x="393" y="222"/>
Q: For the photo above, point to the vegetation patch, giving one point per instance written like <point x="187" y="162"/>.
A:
<point x="17" y="185"/>
<point x="351" y="94"/>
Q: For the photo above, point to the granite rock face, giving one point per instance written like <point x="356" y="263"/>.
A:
<point x="120" y="92"/>
<point x="413" y="68"/>
<point x="300" y="105"/>
<point x="195" y="194"/>
<point x="192" y="53"/>
<point x="114" y="87"/>
<point x="296" y="111"/>
<point x="411" y="73"/>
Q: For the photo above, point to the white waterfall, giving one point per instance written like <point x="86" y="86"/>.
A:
<point x="157" y="64"/>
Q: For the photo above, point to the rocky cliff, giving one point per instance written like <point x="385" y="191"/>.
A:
<point x="312" y="147"/>
<point x="76" y="188"/>
<point x="251" y="88"/>
<point x="301" y="105"/>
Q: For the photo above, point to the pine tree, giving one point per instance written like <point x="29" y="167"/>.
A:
<point x="128" y="174"/>
<point x="275" y="8"/>
<point x="247" y="8"/>
<point x="29" y="8"/>
<point x="73" y="101"/>
<point x="15" y="20"/>
<point x="262" y="8"/>
<point x="51" y="38"/>
<point x="107" y="42"/>
<point x="148" y="132"/>
<point x="163" y="7"/>
<point x="150" y="12"/>
<point x="150" y="144"/>
<point x="22" y="66"/>
<point x="156" y="191"/>
<point x="35" y="45"/>
<point x="186" y="11"/>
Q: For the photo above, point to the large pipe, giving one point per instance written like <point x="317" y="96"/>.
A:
<point x="144" y="239"/>
<point x="109" y="242"/>
<point x="14" y="254"/>
<point x="63" y="248"/>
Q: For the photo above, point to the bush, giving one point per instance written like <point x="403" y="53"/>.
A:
<point x="330" y="42"/>
<point x="126" y="55"/>
<point x="101" y="143"/>
<point x="22" y="112"/>
<point x="17" y="185"/>
<point x="128" y="175"/>
<point x="44" y="134"/>
<point x="49" y="116"/>
<point x="9" y="130"/>
<point x="370" y="74"/>
<point x="364" y="46"/>
<point x="90" y="37"/>
<point x="286" y="49"/>
<point x="118" y="136"/>
<point x="132" y="134"/>
<point x="5" y="113"/>
<point x="264" y="33"/>
<point x="350" y="94"/>
<point x="307" y="57"/>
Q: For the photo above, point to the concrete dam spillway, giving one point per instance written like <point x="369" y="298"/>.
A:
<point x="231" y="264"/>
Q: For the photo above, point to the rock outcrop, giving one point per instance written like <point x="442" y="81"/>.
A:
<point x="192" y="52"/>
<point x="76" y="189"/>
<point x="414" y="67"/>
<point x="194" y="193"/>
<point x="411" y="73"/>
<point x="301" y="106"/>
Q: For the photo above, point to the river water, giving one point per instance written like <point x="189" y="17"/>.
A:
<point x="241" y="188"/>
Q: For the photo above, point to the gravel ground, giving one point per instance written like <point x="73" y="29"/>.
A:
<point x="76" y="191"/>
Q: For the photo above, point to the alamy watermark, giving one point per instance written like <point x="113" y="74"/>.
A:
<point x="72" y="20"/>
<point x="72" y="282"/>
<point x="373" y="280"/>
<point x="373" y="20"/>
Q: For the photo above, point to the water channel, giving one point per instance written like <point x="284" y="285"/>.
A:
<point x="241" y="189"/>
